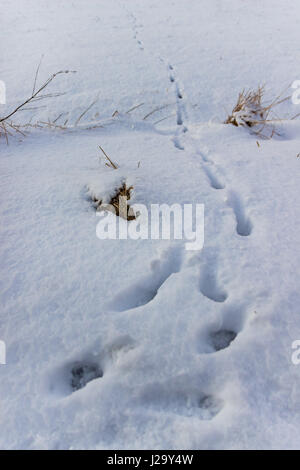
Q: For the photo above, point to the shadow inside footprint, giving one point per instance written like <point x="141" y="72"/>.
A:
<point x="243" y="223"/>
<point x="214" y="181"/>
<point x="210" y="406"/>
<point x="210" y="288"/>
<point x="82" y="373"/>
<point x="179" y="400"/>
<point x="221" y="339"/>
<point x="145" y="291"/>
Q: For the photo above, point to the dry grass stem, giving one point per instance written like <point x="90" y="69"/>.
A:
<point x="250" y="111"/>
<point x="111" y="164"/>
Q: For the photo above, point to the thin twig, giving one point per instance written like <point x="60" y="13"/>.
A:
<point x="59" y="116"/>
<point x="36" y="74"/>
<point x="156" y="110"/>
<point x="163" y="119"/>
<point x="34" y="95"/>
<point x="86" y="110"/>
<point x="294" y="117"/>
<point x="111" y="162"/>
<point x="134" y="107"/>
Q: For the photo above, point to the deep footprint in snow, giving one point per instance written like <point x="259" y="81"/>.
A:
<point x="178" y="93"/>
<point x="209" y="285"/>
<point x="82" y="373"/>
<point x="77" y="373"/>
<point x="177" y="143"/>
<point x="224" y="332"/>
<point x="144" y="291"/>
<point x="222" y="339"/>
<point x="210" y="406"/>
<point x="213" y="179"/>
<point x="243" y="223"/>
<point x="168" y="398"/>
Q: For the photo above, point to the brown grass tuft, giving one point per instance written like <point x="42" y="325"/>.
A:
<point x="118" y="202"/>
<point x="250" y="111"/>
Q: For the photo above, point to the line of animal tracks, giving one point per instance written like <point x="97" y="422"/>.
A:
<point x="175" y="260"/>
<point x="201" y="158"/>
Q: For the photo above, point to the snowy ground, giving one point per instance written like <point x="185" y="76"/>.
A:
<point x="186" y="349"/>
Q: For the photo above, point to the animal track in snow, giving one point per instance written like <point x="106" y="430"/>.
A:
<point x="208" y="166"/>
<point x="209" y="286"/>
<point x="135" y="29"/>
<point x="223" y="331"/>
<point x="77" y="373"/>
<point x="213" y="179"/>
<point x="82" y="373"/>
<point x="211" y="171"/>
<point x="178" y="400"/>
<point x="178" y="92"/>
<point x="177" y="137"/>
<point x="181" y="110"/>
<point x="210" y="406"/>
<point x="243" y="223"/>
<point x="177" y="143"/>
<point x="221" y="339"/>
<point x="140" y="44"/>
<point x="144" y="291"/>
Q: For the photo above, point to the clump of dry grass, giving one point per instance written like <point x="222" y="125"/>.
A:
<point x="251" y="111"/>
<point x="118" y="203"/>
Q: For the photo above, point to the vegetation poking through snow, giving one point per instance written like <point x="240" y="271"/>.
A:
<point x="251" y="111"/>
<point x="117" y="203"/>
<point x="7" y="126"/>
<point x="110" y="163"/>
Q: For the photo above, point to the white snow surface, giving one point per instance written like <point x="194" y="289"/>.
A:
<point x="186" y="349"/>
